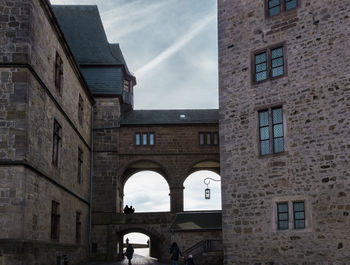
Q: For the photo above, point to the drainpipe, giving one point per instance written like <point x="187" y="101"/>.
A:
<point x="91" y="173"/>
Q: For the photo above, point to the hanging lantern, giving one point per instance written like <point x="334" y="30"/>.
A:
<point x="207" y="193"/>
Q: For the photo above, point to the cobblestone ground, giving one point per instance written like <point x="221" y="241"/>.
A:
<point x="136" y="260"/>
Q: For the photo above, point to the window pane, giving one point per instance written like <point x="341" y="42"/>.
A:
<point x="263" y="118"/>
<point x="278" y="130"/>
<point x="277" y="115"/>
<point x="264" y="133"/>
<point x="260" y="67"/>
<point x="283" y="216"/>
<point x="298" y="206"/>
<point x="274" y="11"/>
<point x="151" y="138"/>
<point x="299" y="224"/>
<point x="282" y="207"/>
<point x="260" y="58"/>
<point x="277" y="62"/>
<point x="261" y="76"/>
<point x="265" y="147"/>
<point x="277" y="71"/>
<point x="278" y="145"/>
<point x="216" y="139"/>
<point x="201" y="138"/>
<point x="208" y="138"/>
<point x="273" y="3"/>
<point x="299" y="215"/>
<point x="137" y="139"/>
<point x="144" y="139"/>
<point x="275" y="53"/>
<point x="290" y="4"/>
<point x="282" y="225"/>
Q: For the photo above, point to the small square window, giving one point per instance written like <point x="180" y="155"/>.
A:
<point x="274" y="7"/>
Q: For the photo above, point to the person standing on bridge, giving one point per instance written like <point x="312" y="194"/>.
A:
<point x="129" y="252"/>
<point x="174" y="254"/>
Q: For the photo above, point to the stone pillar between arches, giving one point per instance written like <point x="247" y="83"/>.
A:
<point x="176" y="199"/>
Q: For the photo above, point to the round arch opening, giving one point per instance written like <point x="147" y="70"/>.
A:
<point x="147" y="191"/>
<point x="139" y="241"/>
<point x="194" y="193"/>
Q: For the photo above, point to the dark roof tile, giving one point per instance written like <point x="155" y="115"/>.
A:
<point x="189" y="116"/>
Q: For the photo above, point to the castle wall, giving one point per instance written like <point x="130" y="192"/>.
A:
<point x="30" y="104"/>
<point x="314" y="168"/>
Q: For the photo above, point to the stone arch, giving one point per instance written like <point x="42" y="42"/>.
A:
<point x="157" y="240"/>
<point x="204" y="164"/>
<point x="142" y="165"/>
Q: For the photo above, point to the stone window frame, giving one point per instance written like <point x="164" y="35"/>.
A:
<point x="270" y="108"/>
<point x="80" y="165"/>
<point x="58" y="73"/>
<point x="212" y="138"/>
<point x="290" y="200"/>
<point x="268" y="50"/>
<point x="147" y="134"/>
<point x="57" y="144"/>
<point x="283" y="8"/>
<point x="81" y="110"/>
<point x="78" y="225"/>
<point x="55" y="221"/>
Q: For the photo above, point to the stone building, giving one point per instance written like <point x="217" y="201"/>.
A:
<point x="284" y="81"/>
<point x="70" y="139"/>
<point x="45" y="140"/>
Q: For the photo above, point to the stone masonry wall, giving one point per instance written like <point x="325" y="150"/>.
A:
<point x="315" y="96"/>
<point x="28" y="106"/>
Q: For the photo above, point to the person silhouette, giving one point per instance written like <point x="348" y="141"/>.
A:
<point x="126" y="209"/>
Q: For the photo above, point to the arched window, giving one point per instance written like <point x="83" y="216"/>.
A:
<point x="140" y="243"/>
<point x="147" y="191"/>
<point x="194" y="198"/>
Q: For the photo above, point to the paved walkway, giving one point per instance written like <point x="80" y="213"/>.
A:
<point x="136" y="260"/>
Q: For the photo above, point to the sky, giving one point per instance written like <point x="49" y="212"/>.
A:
<point x="169" y="45"/>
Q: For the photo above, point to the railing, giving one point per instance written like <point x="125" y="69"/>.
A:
<point x="203" y="247"/>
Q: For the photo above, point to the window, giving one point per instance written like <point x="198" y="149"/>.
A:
<point x="127" y="85"/>
<point x="58" y="73"/>
<point x="151" y="138"/>
<point x="271" y="135"/>
<point x="138" y="139"/>
<point x="80" y="163"/>
<point x="55" y="220"/>
<point x="275" y="7"/>
<point x="299" y="215"/>
<point x="282" y="215"/>
<point x="208" y="138"/>
<point x="77" y="227"/>
<point x="57" y="138"/>
<point x="145" y="138"/>
<point x="80" y="110"/>
<point x="269" y="64"/>
<point x="285" y="220"/>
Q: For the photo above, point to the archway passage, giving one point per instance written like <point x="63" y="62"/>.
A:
<point x="194" y="198"/>
<point x="140" y="243"/>
<point x="147" y="191"/>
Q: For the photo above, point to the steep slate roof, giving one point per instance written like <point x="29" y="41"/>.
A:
<point x="83" y="29"/>
<point x="139" y="117"/>
<point x="210" y="220"/>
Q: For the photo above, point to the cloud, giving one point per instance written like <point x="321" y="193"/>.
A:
<point x="195" y="29"/>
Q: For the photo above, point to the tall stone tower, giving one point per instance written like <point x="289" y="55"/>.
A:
<point x="284" y="69"/>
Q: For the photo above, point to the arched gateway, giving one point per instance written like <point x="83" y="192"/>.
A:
<point x="173" y="143"/>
